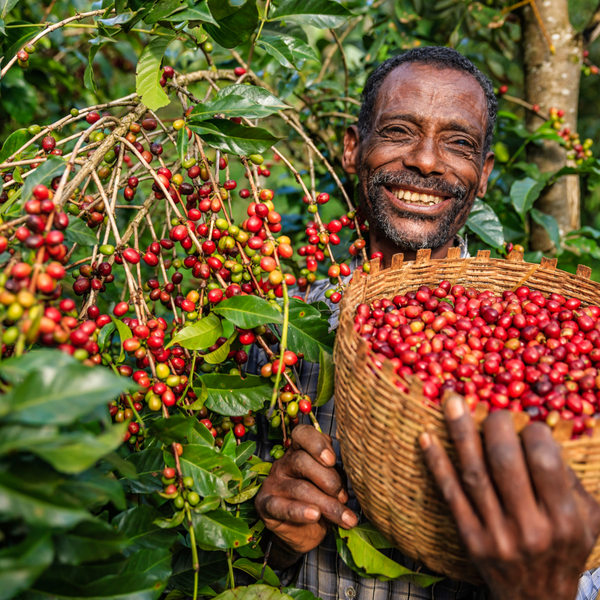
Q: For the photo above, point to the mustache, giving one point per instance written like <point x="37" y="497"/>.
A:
<point x="409" y="178"/>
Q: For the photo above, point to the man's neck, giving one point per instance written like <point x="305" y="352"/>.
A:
<point x="389" y="248"/>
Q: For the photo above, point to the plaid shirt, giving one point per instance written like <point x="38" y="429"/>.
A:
<point x="322" y="571"/>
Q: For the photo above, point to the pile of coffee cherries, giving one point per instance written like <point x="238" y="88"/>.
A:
<point x="519" y="351"/>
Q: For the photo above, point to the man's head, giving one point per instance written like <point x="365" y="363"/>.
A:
<point x="421" y="147"/>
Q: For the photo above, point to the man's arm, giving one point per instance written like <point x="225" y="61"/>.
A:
<point x="522" y="514"/>
<point x="302" y="495"/>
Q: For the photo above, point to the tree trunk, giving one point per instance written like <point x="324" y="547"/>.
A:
<point x="552" y="80"/>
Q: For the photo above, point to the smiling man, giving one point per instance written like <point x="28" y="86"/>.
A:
<point x="421" y="151"/>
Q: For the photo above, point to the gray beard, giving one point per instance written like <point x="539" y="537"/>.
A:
<point x="382" y="214"/>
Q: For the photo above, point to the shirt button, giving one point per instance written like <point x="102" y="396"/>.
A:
<point x="350" y="593"/>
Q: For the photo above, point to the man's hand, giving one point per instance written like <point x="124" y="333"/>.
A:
<point x="522" y="514"/>
<point x="304" y="493"/>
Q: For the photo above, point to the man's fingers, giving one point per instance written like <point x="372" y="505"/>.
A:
<point x="509" y="469"/>
<point x="473" y="469"/>
<point x="283" y="509"/>
<point x="318" y="445"/>
<point x="301" y="465"/>
<point x="445" y="476"/>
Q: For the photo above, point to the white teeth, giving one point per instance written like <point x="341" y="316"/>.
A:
<point x="416" y="198"/>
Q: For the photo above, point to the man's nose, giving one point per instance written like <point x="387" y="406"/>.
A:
<point x="423" y="157"/>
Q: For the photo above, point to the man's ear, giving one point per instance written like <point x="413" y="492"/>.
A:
<point x="488" y="165"/>
<point x="351" y="150"/>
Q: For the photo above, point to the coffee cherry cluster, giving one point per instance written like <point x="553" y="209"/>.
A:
<point x="576" y="150"/>
<point x="518" y="350"/>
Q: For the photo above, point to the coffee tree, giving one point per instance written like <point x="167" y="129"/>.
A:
<point x="155" y="243"/>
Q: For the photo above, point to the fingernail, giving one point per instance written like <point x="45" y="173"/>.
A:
<point x="311" y="514"/>
<point x="328" y="457"/>
<point x="349" y="519"/>
<point x="454" y="408"/>
<point x="425" y="441"/>
<point x="343" y="496"/>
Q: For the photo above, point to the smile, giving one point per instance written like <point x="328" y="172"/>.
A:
<point x="416" y="198"/>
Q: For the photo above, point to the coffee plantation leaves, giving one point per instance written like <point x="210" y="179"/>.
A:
<point x="22" y="564"/>
<point x="220" y="529"/>
<point x="255" y="570"/>
<point x="201" y="435"/>
<point x="484" y="222"/>
<point x="326" y="382"/>
<point x="142" y="576"/>
<point x="524" y="192"/>
<point x="253" y="93"/>
<point x="18" y="437"/>
<point x="81" y="234"/>
<point x="125" y="333"/>
<point x="194" y="11"/>
<point x="89" y="541"/>
<point x="253" y="592"/>
<point x="137" y="525"/>
<point x="299" y="594"/>
<point x="182" y="143"/>
<point x="173" y="429"/>
<point x="16" y="368"/>
<point x="248" y="312"/>
<point x="231" y="106"/>
<point x="148" y="463"/>
<point x="230" y="137"/>
<point x="289" y="51"/>
<point x="51" y="168"/>
<point x="360" y="542"/>
<point x="44" y="395"/>
<point x="13" y="142"/>
<point x="233" y="396"/>
<point x="211" y="470"/>
<point x="213" y="566"/>
<point x="199" y="335"/>
<point x="220" y="354"/>
<point x="318" y="13"/>
<point x="308" y="331"/>
<point x="548" y="222"/>
<point x="236" y="27"/>
<point x="148" y="72"/>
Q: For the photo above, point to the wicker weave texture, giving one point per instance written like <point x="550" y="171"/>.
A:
<point x="379" y="425"/>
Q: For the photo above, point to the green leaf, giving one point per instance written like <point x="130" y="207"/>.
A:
<point x="236" y="28"/>
<point x="213" y="567"/>
<point x="548" y="222"/>
<point x="376" y="564"/>
<point x="220" y="529"/>
<point x="308" y="331"/>
<point x="233" y="396"/>
<point x="175" y="521"/>
<point x="18" y="35"/>
<point x="244" y="496"/>
<point x="325" y="14"/>
<point x="173" y="429"/>
<point x="15" y="369"/>
<point x="45" y="172"/>
<point x="228" y="136"/>
<point x="89" y="541"/>
<point x="195" y="11"/>
<point x="148" y="464"/>
<point x="230" y="106"/>
<point x="6" y="6"/>
<point x="199" y="335"/>
<point x="18" y="437"/>
<point x="298" y="594"/>
<point x="255" y="570"/>
<point x="61" y="395"/>
<point x="326" y="382"/>
<point x="163" y="9"/>
<point x="289" y="51"/>
<point x="253" y="93"/>
<point x="78" y="232"/>
<point x="104" y="337"/>
<point x="523" y="193"/>
<point x="485" y="223"/>
<point x="13" y="142"/>
<point x="201" y="435"/>
<point x="88" y="77"/>
<point x="148" y="72"/>
<point x="77" y="451"/>
<point x="137" y="525"/>
<point x="244" y="451"/>
<point x="22" y="564"/>
<point x="211" y="470"/>
<point x="248" y="312"/>
<point x="253" y="592"/>
<point x="125" y="333"/>
<point x="142" y="576"/>
<point x="37" y="504"/>
<point x="201" y="396"/>
<point x="182" y="143"/>
<point x="220" y="354"/>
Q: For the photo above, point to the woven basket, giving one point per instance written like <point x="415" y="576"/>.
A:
<point x="378" y="425"/>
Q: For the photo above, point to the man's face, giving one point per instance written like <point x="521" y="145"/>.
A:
<point x="422" y="165"/>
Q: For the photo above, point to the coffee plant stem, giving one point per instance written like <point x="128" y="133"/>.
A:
<point x="195" y="561"/>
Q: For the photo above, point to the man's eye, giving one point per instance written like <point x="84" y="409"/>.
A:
<point x="464" y="143"/>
